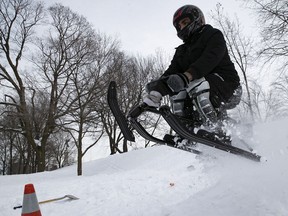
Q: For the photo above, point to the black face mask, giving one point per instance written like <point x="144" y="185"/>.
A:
<point x="187" y="31"/>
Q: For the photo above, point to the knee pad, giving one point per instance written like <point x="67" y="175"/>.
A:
<point x="199" y="91"/>
<point x="177" y="103"/>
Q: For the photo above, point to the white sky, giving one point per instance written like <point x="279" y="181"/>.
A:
<point x="144" y="26"/>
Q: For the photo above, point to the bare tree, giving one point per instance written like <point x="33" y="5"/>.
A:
<point x="84" y="120"/>
<point x="240" y="48"/>
<point x="16" y="155"/>
<point x="63" y="55"/>
<point x="84" y="93"/>
<point x="273" y="22"/>
<point x="280" y="90"/>
<point x="4" y="155"/>
<point x="266" y="104"/>
<point x="60" y="152"/>
<point x="17" y="22"/>
<point x="273" y="18"/>
<point x="119" y="69"/>
<point x="131" y="75"/>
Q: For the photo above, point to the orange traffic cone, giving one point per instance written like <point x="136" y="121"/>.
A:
<point x="30" y="206"/>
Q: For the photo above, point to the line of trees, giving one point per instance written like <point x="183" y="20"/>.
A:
<point x="273" y="49"/>
<point x="54" y="73"/>
<point x="251" y="56"/>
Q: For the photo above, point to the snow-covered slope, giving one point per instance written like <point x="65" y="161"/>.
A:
<point x="166" y="181"/>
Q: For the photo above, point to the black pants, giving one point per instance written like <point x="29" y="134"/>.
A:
<point x="223" y="93"/>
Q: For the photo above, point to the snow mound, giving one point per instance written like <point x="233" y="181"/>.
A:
<point x="165" y="181"/>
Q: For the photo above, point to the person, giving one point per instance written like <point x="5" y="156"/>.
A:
<point x="201" y="73"/>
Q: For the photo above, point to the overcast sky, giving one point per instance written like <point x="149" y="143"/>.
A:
<point x="144" y="26"/>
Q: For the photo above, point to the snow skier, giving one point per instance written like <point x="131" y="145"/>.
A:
<point x="202" y="84"/>
<point x="201" y="75"/>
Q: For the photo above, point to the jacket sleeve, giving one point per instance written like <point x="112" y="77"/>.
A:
<point x="174" y="66"/>
<point x="212" y="54"/>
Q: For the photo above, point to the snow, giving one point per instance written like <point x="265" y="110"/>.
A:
<point x="164" y="181"/>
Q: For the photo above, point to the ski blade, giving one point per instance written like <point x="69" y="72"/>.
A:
<point x="118" y="114"/>
<point x="142" y="132"/>
<point x="181" y="130"/>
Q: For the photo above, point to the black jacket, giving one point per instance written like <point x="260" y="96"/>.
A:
<point x="206" y="55"/>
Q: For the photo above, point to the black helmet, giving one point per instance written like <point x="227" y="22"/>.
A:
<point x="197" y="20"/>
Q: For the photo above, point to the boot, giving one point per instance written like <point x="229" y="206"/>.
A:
<point x="220" y="137"/>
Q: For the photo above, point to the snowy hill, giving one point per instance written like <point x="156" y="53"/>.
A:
<point x="166" y="181"/>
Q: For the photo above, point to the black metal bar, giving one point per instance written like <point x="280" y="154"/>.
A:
<point x="119" y="116"/>
<point x="181" y="130"/>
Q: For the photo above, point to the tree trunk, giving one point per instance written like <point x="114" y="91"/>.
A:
<point x="10" y="158"/>
<point x="79" y="162"/>
<point x="125" y="147"/>
<point x="41" y="162"/>
<point x="113" y="150"/>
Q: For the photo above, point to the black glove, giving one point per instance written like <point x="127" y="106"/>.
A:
<point x="159" y="85"/>
<point x="177" y="82"/>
